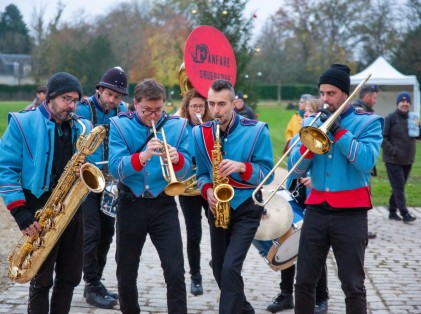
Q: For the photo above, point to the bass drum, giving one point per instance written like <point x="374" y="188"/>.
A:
<point x="277" y="218"/>
<point x="281" y="252"/>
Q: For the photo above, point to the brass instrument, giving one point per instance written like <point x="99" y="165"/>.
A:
<point x="174" y="187"/>
<point x="315" y="139"/>
<point x="222" y="191"/>
<point x="184" y="81"/>
<point x="30" y="252"/>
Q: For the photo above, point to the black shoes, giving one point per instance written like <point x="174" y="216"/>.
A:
<point x="394" y="216"/>
<point x="371" y="235"/>
<point x="407" y="218"/>
<point x="97" y="295"/>
<point x="321" y="307"/>
<point x="196" y="285"/>
<point x="283" y="301"/>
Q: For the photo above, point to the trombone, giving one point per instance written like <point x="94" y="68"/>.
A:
<point x="315" y="139"/>
<point x="174" y="187"/>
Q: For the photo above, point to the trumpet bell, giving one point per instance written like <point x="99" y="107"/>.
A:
<point x="175" y="188"/>
<point x="315" y="140"/>
<point x="278" y="218"/>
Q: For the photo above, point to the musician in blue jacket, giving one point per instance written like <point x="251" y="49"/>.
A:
<point x="143" y="206"/>
<point x="247" y="159"/>
<point x="99" y="219"/>
<point x="34" y="150"/>
<point x="336" y="214"/>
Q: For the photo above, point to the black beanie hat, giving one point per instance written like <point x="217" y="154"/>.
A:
<point x="114" y="79"/>
<point x="61" y="83"/>
<point x="337" y="75"/>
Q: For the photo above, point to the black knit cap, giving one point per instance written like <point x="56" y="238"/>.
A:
<point x="337" y="75"/>
<point x="61" y="83"/>
<point x="114" y="79"/>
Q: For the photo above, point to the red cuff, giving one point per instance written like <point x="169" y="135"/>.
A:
<point x="135" y="160"/>
<point x="303" y="150"/>
<point x="205" y="188"/>
<point x="339" y="134"/>
<point x="247" y="174"/>
<point x="180" y="164"/>
<point x="16" y="204"/>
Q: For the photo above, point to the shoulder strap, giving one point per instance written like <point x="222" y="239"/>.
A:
<point x="158" y="127"/>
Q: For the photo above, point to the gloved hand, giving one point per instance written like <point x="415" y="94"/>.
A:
<point x="336" y="125"/>
<point x="23" y="216"/>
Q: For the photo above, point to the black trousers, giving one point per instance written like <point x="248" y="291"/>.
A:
<point x="158" y="217"/>
<point x="398" y="175"/>
<point x="99" y="232"/>
<point x="192" y="210"/>
<point x="346" y="232"/>
<point x="65" y="260"/>
<point x="229" y="250"/>
<point x="287" y="283"/>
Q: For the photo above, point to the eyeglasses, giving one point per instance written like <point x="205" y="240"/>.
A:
<point x="148" y="112"/>
<point x="195" y="107"/>
<point x="68" y="100"/>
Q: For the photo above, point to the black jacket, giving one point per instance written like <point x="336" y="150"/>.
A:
<point x="398" y="147"/>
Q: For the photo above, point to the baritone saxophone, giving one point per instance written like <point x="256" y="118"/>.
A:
<point x="30" y="252"/>
<point x="222" y="191"/>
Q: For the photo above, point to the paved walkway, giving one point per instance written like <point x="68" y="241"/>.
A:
<point x="393" y="272"/>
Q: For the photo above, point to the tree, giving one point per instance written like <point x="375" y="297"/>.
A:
<point x="14" y="33"/>
<point x="407" y="57"/>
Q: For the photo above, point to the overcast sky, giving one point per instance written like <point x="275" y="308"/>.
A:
<point x="262" y="8"/>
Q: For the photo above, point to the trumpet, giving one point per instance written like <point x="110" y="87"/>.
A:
<point x="199" y="116"/>
<point x="174" y="187"/>
<point x="315" y="139"/>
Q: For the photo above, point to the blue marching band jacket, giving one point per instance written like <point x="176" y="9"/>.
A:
<point x="341" y="177"/>
<point x="92" y="109"/>
<point x="26" y="153"/>
<point x="127" y="134"/>
<point x="246" y="141"/>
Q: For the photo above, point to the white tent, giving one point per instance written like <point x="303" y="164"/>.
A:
<point x="390" y="83"/>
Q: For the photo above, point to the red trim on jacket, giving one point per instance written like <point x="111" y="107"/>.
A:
<point x="249" y="171"/>
<point x="15" y="204"/>
<point x="180" y="164"/>
<point x="339" y="134"/>
<point x="205" y="188"/>
<point x="303" y="149"/>
<point x="342" y="199"/>
<point x="135" y="161"/>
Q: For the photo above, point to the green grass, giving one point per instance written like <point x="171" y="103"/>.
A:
<point x="277" y="117"/>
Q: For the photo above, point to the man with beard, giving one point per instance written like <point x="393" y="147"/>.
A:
<point x="99" y="223"/>
<point x="34" y="151"/>
<point x="246" y="160"/>
<point x="336" y="214"/>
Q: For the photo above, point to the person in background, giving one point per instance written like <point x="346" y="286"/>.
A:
<point x="195" y="109"/>
<point x="399" y="147"/>
<point x="99" y="224"/>
<point x="285" y="300"/>
<point x="242" y="108"/>
<point x="34" y="150"/>
<point x="39" y="98"/>
<point x="144" y="208"/>
<point x="245" y="168"/>
<point x="294" y="124"/>
<point x="340" y="195"/>
<point x="368" y="98"/>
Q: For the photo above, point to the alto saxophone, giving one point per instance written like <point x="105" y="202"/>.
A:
<point x="30" y="252"/>
<point x="222" y="191"/>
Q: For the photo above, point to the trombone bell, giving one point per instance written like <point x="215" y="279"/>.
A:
<point x="315" y="140"/>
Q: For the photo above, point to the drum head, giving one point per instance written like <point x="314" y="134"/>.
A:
<point x="278" y="218"/>
<point x="284" y="252"/>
